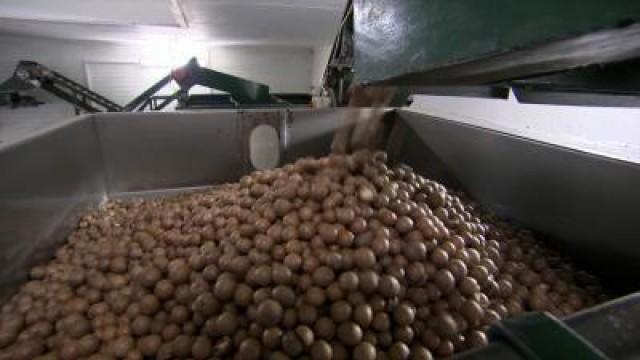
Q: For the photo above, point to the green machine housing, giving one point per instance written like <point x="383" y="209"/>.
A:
<point x="566" y="52"/>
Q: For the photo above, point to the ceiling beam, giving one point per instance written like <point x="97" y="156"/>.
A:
<point x="177" y="9"/>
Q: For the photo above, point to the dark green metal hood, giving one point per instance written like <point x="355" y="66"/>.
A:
<point x="422" y="42"/>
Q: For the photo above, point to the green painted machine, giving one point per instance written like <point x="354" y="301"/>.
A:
<point x="241" y="91"/>
<point x="566" y="52"/>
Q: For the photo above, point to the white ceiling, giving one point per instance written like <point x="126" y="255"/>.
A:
<point x="283" y="22"/>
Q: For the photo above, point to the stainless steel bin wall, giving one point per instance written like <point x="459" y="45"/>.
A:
<point x="48" y="179"/>
<point x="45" y="181"/>
<point x="586" y="204"/>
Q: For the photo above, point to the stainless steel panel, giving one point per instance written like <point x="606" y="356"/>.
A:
<point x="45" y="182"/>
<point x="309" y="132"/>
<point x="159" y="193"/>
<point x="146" y="151"/>
<point x="587" y="204"/>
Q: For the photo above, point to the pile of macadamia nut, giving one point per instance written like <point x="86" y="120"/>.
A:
<point x="332" y="258"/>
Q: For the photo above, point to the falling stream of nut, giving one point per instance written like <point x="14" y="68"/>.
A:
<point x="331" y="258"/>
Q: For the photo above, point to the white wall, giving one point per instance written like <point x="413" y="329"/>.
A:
<point x="66" y="57"/>
<point x="613" y="132"/>
<point x="320" y="58"/>
<point x="284" y="69"/>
